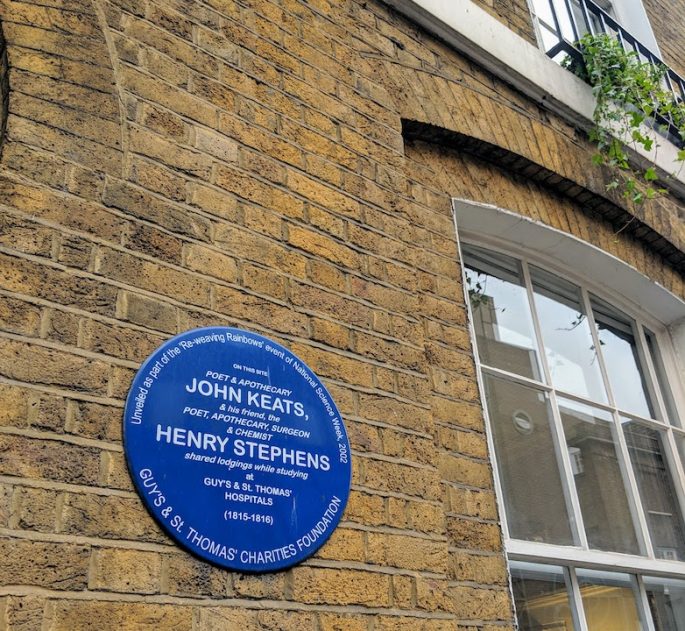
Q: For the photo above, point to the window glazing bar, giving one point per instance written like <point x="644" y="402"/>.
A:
<point x="643" y="603"/>
<point x="632" y="490"/>
<point x="576" y="601"/>
<point x="562" y="454"/>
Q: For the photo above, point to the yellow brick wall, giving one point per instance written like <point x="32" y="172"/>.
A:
<point x="172" y="164"/>
<point x="668" y="23"/>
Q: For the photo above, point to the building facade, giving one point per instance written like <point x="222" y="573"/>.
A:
<point x="403" y="194"/>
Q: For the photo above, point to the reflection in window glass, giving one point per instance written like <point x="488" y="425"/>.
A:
<point x="541" y="597"/>
<point x="619" y="350"/>
<point x="660" y="370"/>
<point x="521" y="421"/>
<point x="501" y="313"/>
<point x="608" y="601"/>
<point x="666" y="602"/>
<point x="597" y="474"/>
<point x="569" y="347"/>
<point x="656" y="490"/>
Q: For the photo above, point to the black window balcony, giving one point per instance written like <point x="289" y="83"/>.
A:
<point x="563" y="23"/>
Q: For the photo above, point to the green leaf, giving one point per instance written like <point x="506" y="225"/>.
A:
<point x="650" y="174"/>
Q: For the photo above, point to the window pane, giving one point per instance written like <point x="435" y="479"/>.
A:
<point x="619" y="350"/>
<point x="661" y="377"/>
<point x="656" y="490"/>
<point x="666" y="602"/>
<point x="501" y="313"/>
<point x="521" y="421"/>
<point x="541" y="597"/>
<point x="569" y="347"/>
<point x="597" y="474"/>
<point x="608" y="601"/>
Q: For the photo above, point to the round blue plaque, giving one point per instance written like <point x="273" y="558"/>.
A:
<point x="237" y="449"/>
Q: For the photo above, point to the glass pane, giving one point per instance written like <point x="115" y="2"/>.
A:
<point x="660" y="370"/>
<point x="622" y="360"/>
<point x="597" y="474"/>
<point x="521" y="421"/>
<point x="541" y="597"/>
<point x="501" y="313"/>
<point x="656" y="490"/>
<point x="608" y="601"/>
<point x="666" y="602"/>
<point x="569" y="347"/>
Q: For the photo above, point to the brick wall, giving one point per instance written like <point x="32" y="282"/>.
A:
<point x="668" y="23"/>
<point x="4" y="87"/>
<point x="175" y="164"/>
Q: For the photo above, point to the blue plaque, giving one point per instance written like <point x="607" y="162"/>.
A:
<point x="237" y="449"/>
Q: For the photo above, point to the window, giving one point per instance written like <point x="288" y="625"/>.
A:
<point x="588" y="442"/>
<point x="567" y="21"/>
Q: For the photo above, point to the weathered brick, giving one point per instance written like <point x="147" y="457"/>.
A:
<point x="323" y="586"/>
<point x="80" y="615"/>
<point x="52" y="565"/>
<point x="187" y="576"/>
<point x="108" y="517"/>
<point x="412" y="553"/>
<point x="130" y="571"/>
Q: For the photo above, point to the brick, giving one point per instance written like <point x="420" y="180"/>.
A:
<point x="465" y="471"/>
<point x="271" y="586"/>
<point x="257" y="309"/>
<point x="24" y="613"/>
<point x="411" y="553"/>
<point x="478" y="568"/>
<point x="216" y="144"/>
<point x="158" y="148"/>
<point x="338" y="307"/>
<point x="158" y="179"/>
<point x="118" y="341"/>
<point x="108" y="517"/>
<point x="487" y="604"/>
<point x="187" y="576"/>
<point x="335" y="366"/>
<point x="114" y="472"/>
<point x="253" y="247"/>
<point x="79" y="615"/>
<point x="17" y="316"/>
<point x="148" y="312"/>
<point x="466" y="443"/>
<point x="48" y="459"/>
<point x="390" y="410"/>
<point x="130" y="571"/>
<point x="38" y="364"/>
<point x="343" y="622"/>
<point x="344" y="545"/>
<point x="323" y="246"/>
<point x="124" y="267"/>
<point x="202" y="259"/>
<point x="53" y="565"/>
<point x="399" y="478"/>
<point x="474" y="534"/>
<point x="325" y="586"/>
<point x="472" y="503"/>
<point x="37" y="509"/>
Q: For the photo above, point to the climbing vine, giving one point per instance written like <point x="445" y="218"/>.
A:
<point x="632" y="102"/>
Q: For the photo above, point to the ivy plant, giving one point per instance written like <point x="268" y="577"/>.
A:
<point x="632" y="99"/>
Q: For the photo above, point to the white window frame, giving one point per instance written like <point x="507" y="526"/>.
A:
<point x="589" y="268"/>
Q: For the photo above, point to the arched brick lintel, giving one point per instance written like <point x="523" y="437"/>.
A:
<point x="669" y="247"/>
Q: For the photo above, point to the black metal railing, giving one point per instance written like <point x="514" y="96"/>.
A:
<point x="564" y="22"/>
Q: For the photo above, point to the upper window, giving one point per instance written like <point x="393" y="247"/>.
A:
<point x="587" y="440"/>
<point x="563" y="22"/>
